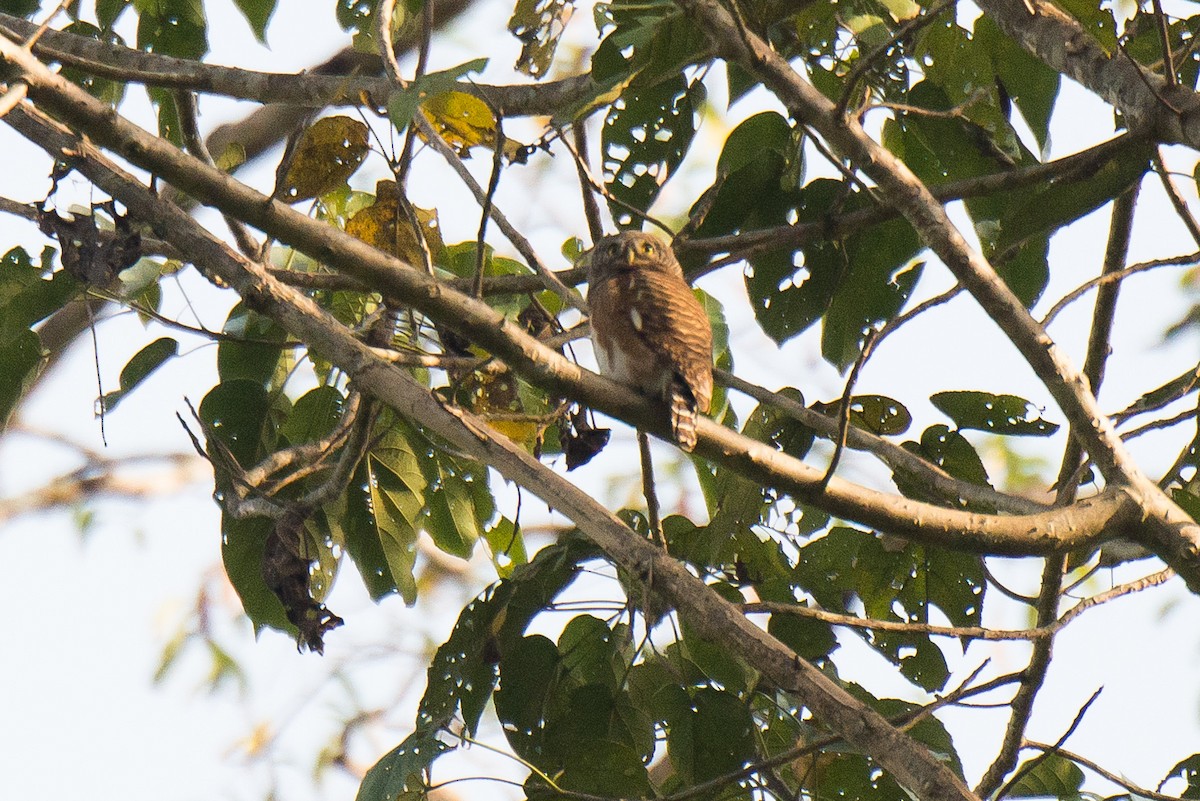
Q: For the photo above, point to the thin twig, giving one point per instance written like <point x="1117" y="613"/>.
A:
<point x="648" y="489"/>
<point x="569" y="296"/>
<point x="1177" y="201"/>
<point x="864" y="63"/>
<point x="844" y="411"/>
<point x="1115" y="277"/>
<point x="591" y="209"/>
<point x="1029" y="766"/>
<point x="486" y="208"/>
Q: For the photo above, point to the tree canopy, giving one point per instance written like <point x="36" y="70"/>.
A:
<point x="379" y="381"/>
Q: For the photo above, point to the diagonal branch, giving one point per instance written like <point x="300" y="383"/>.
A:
<point x="713" y="617"/>
<point x="1085" y="523"/>
<point x="1169" y="531"/>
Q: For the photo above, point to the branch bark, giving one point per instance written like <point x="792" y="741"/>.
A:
<point x="1085" y="523"/>
<point x="1168" y="530"/>
<point x="912" y="765"/>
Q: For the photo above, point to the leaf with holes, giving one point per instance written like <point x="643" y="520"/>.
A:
<point x="385" y="226"/>
<point x="327" y="154"/>
<point x="645" y="136"/>
<point x="538" y="25"/>
<point x="997" y="414"/>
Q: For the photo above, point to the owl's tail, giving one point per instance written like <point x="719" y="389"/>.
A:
<point x="683" y="417"/>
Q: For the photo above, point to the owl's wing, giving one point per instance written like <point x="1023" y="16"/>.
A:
<point x="671" y="322"/>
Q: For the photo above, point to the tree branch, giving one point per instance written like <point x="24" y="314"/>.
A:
<point x="712" y="617"/>
<point x="1169" y="531"/>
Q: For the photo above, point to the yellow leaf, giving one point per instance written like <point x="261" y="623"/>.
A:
<point x="327" y="154"/>
<point x="465" y="121"/>
<point x="384" y="225"/>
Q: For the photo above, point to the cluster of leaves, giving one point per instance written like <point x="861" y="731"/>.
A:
<point x="593" y="709"/>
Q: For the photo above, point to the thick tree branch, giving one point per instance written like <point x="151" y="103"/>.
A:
<point x="1167" y="113"/>
<point x="305" y="90"/>
<point x="1086" y="523"/>
<point x="712" y="616"/>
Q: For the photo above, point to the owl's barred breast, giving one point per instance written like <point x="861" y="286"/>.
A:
<point x="648" y="329"/>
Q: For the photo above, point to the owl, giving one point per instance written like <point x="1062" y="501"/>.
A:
<point x="648" y="329"/>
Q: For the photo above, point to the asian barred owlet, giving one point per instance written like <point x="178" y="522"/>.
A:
<point x="648" y="329"/>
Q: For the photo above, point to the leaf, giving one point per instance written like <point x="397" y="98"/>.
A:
<point x="952" y="452"/>
<point x="878" y="414"/>
<point x="538" y="25"/>
<point x="997" y="414"/>
<point x="139" y="368"/>
<point x="327" y="154"/>
<point x="383" y="506"/>
<point x="881" y="278"/>
<point x="385" y="226"/>
<point x="236" y="412"/>
<point x="403" y="103"/>
<point x="30" y="293"/>
<point x="314" y="415"/>
<point x="462" y="672"/>
<point x="458" y="503"/>
<point x="253" y="350"/>
<point x="243" y="543"/>
<point x="20" y="362"/>
<point x="506" y="546"/>
<point x="258" y="14"/>
<point x="1054" y="776"/>
<point x="400" y="774"/>
<point x="811" y="639"/>
<point x="1189" y="771"/>
<point x="465" y="121"/>
<point x="716" y="736"/>
<point x="172" y="28"/>
<point x="645" y="136"/>
<point x="1028" y="82"/>
<point x="790" y="290"/>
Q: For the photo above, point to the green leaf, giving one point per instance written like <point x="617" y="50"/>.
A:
<point x="790" y="290"/>
<point x="950" y="451"/>
<point x="383" y="507"/>
<point x="538" y="25"/>
<point x="172" y="28"/>
<point x="403" y="103"/>
<point x="243" y="543"/>
<point x="252" y="352"/>
<point x="881" y="278"/>
<point x="463" y="671"/>
<point x="1054" y="776"/>
<point x="27" y="294"/>
<point x="20" y="8"/>
<point x="139" y="368"/>
<point x="645" y="136"/>
<point x="1189" y="771"/>
<point x="20" y="363"/>
<point x="811" y="639"/>
<point x="715" y="737"/>
<point x="1028" y="82"/>
<point x="236" y="412"/>
<point x="314" y="415"/>
<point x="107" y="11"/>
<point x="746" y="144"/>
<point x="400" y="775"/>
<point x="528" y="673"/>
<point x="258" y="14"/>
<point x="458" y="503"/>
<point x="997" y="414"/>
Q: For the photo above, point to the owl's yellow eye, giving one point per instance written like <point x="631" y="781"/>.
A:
<point x="647" y="248"/>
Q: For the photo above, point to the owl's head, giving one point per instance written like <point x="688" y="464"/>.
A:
<point x="629" y="251"/>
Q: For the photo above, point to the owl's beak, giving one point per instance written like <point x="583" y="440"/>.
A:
<point x="630" y="254"/>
